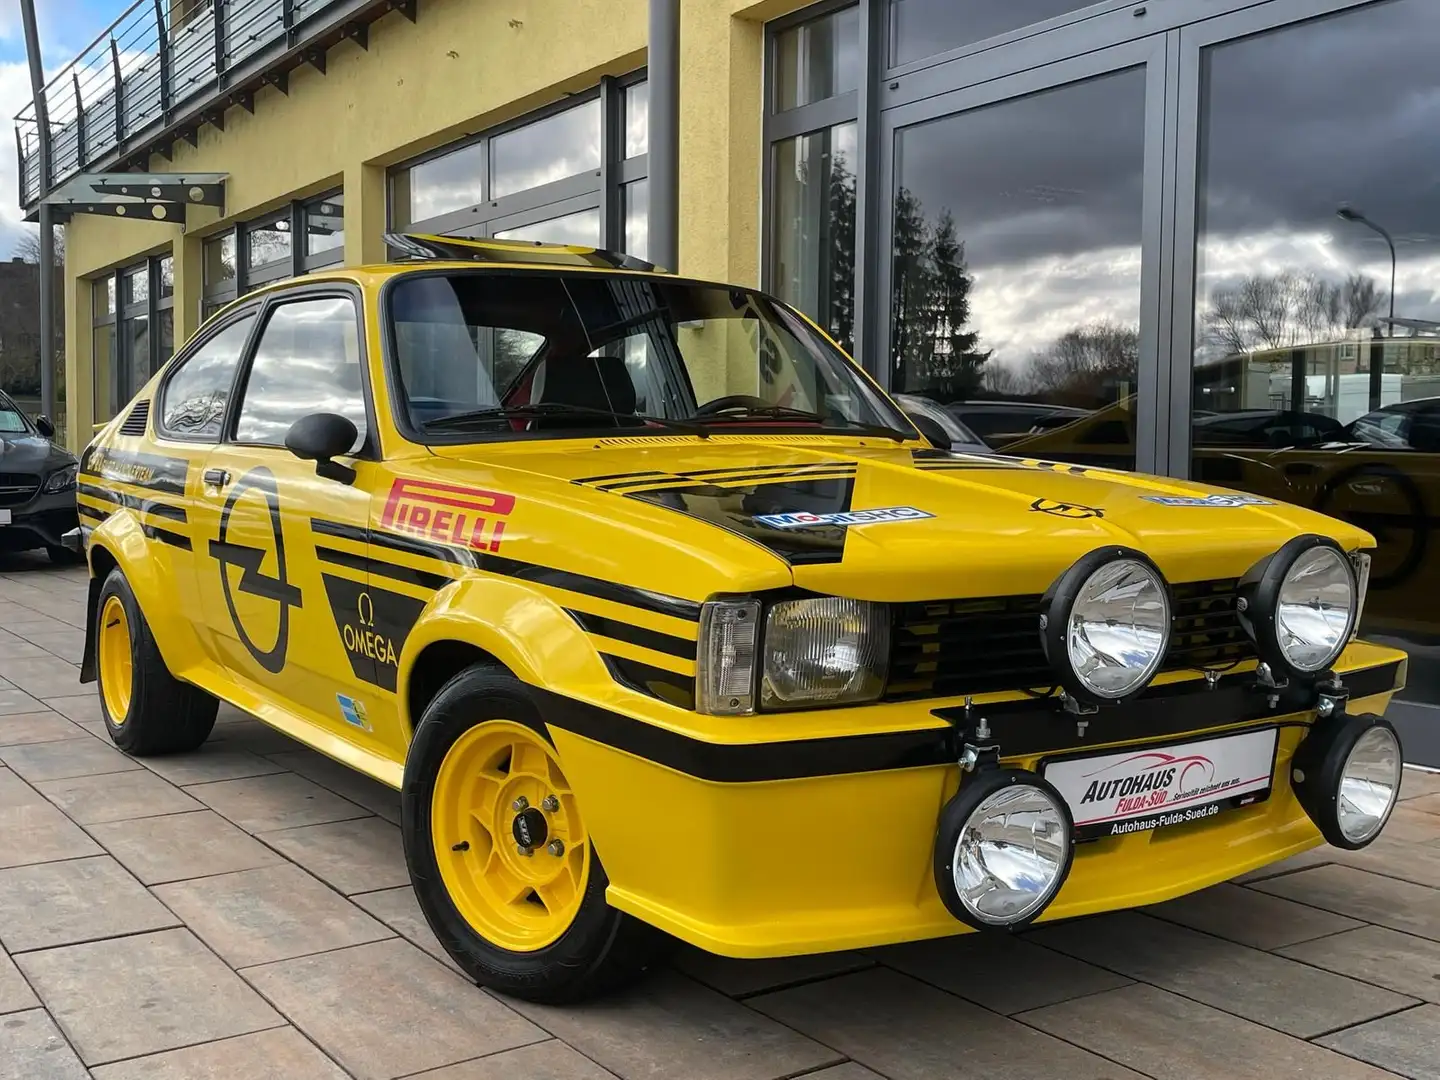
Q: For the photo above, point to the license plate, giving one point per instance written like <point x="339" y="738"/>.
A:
<point x="1151" y="787"/>
<point x="4" y="517"/>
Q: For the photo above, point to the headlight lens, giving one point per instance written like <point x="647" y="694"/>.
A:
<point x="1118" y="628"/>
<point x="62" y="480"/>
<point x="725" y="657"/>
<point x="1010" y="855"/>
<point x="1315" y="609"/>
<point x="824" y="651"/>
<point x="1369" y="782"/>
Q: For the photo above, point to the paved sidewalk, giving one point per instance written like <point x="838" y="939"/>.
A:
<point x="243" y="913"/>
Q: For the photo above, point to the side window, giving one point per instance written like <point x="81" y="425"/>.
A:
<point x="307" y="361"/>
<point x="193" y="402"/>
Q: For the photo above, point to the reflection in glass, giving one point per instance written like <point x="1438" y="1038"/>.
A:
<point x="220" y="259"/>
<point x="134" y="357"/>
<point x="1015" y="267"/>
<point x="103" y="297"/>
<point x="546" y="150"/>
<point x="196" y="394"/>
<point x="817" y="59"/>
<point x="104" y="373"/>
<point x="920" y="28"/>
<point x="1305" y="390"/>
<point x="307" y="361"/>
<point x="450" y="182"/>
<point x="164" y="336"/>
<point x="813" y="257"/>
<point x="167" y="277"/>
<point x="637" y="219"/>
<point x="581" y="229"/>
<point x="268" y="242"/>
<point x="136" y="285"/>
<point x="637" y="119"/>
<point x="325" y="224"/>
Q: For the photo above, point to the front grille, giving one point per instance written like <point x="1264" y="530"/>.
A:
<point x="17" y="488"/>
<point x="945" y="648"/>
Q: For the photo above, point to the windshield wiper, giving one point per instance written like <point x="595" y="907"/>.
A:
<point x="783" y="412"/>
<point x="543" y="409"/>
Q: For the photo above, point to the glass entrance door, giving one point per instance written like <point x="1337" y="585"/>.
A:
<point x="1020" y="259"/>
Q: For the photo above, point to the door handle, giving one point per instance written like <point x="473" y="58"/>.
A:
<point x="216" y="478"/>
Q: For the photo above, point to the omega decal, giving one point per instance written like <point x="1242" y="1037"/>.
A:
<point x="373" y="624"/>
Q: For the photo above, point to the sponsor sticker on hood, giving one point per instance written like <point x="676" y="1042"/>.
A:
<point x="803" y="519"/>
<point x="1138" y="789"/>
<point x="1208" y="500"/>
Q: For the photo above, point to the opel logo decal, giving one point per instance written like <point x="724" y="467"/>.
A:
<point x="1073" y="511"/>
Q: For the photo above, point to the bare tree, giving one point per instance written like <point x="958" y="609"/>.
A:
<point x="27" y="248"/>
<point x="1288" y="309"/>
<point x="1082" y="365"/>
<point x="1005" y="381"/>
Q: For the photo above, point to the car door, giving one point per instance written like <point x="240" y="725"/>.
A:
<point x="274" y="610"/>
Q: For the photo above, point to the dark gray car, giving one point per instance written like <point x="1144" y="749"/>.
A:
<point x="37" y="485"/>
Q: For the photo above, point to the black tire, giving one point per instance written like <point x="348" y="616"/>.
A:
<point x="602" y="950"/>
<point x="165" y="716"/>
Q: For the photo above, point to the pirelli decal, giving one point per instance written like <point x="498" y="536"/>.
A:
<point x="448" y="514"/>
<point x="373" y="625"/>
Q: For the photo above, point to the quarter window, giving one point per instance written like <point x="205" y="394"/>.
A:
<point x="196" y="395"/>
<point x="308" y="361"/>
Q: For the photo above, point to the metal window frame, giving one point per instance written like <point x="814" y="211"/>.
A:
<point x="148" y="309"/>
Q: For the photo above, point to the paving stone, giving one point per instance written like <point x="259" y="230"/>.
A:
<point x="740" y="978"/>
<point x="82" y="708"/>
<point x="670" y="1025"/>
<point x="907" y="1030"/>
<point x="63" y="903"/>
<point x="172" y="989"/>
<point x="273" y="913"/>
<point x="19" y="728"/>
<point x="15" y="992"/>
<point x="387" y="1009"/>
<point x="1417" y="863"/>
<point x="67" y="645"/>
<point x="1006" y="974"/>
<point x="213" y="761"/>
<point x="400" y="910"/>
<point x="1259" y="986"/>
<point x="1251" y="918"/>
<point x="182" y="846"/>
<point x="267" y="803"/>
<point x="1415" y="783"/>
<point x="1169" y="1037"/>
<point x="116" y="796"/>
<point x="344" y="781"/>
<point x="32" y="1048"/>
<point x="1400" y="905"/>
<point x="42" y="677"/>
<point x="257" y="737"/>
<point x="37" y="833"/>
<point x="551" y="1060"/>
<point x="1400" y="962"/>
<point x="1430" y="804"/>
<point x="362" y="855"/>
<point x="277" y="1054"/>
<point x="848" y="1071"/>
<point x="61" y="760"/>
<point x="14" y="700"/>
<point x="1407" y="1043"/>
<point x="1410" y="823"/>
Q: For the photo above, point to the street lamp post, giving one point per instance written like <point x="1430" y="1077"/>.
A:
<point x="1377" y="370"/>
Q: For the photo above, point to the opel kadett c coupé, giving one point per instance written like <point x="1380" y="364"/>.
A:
<point x="667" y="623"/>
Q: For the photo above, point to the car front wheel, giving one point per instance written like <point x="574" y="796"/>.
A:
<point x="499" y="854"/>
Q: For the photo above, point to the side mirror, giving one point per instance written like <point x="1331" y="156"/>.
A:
<point x="931" y="430"/>
<point x="45" y="427"/>
<point x="321" y="437"/>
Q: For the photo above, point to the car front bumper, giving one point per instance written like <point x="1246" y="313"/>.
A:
<point x="41" y="522"/>
<point x="756" y="850"/>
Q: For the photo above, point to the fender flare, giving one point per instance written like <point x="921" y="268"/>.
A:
<point x="123" y="539"/>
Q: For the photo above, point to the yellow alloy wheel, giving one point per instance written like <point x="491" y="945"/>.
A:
<point x="116" y="660"/>
<point x="511" y="847"/>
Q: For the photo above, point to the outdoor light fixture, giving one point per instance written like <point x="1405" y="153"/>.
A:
<point x="1346" y="775"/>
<point x="1106" y="625"/>
<point x="1300" y="605"/>
<point x="1003" y="848"/>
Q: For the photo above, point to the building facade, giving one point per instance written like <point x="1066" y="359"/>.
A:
<point x="1205" y="231"/>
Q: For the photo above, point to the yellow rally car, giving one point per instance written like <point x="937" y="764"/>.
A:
<point x="667" y="623"/>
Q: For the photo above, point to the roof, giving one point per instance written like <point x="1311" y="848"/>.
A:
<point x="426" y="248"/>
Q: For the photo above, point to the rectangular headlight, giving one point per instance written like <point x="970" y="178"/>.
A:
<point x="1361" y="561"/>
<point x="725" y="657"/>
<point x="825" y="650"/>
<point x="61" y="480"/>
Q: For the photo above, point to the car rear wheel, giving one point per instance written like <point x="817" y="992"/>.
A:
<point x="147" y="710"/>
<point x="499" y="854"/>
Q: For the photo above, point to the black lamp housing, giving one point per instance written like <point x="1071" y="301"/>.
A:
<point x="1059" y="601"/>
<point x="1315" y="771"/>
<point x="1259" y="588"/>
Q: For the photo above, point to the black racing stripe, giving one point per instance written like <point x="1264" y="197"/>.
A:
<point x="635" y="635"/>
<point x="657" y="682"/>
<point x="733" y="474"/>
<point x="838" y="462"/>
<point x="505" y="566"/>
<point x="925" y="747"/>
<point x="139" y="470"/>
<point x="394" y="571"/>
<point x="133" y="502"/>
<point x="165" y="536"/>
<point x="617" y="476"/>
<point x="91" y="512"/>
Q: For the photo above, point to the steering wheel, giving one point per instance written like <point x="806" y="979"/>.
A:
<point x="732" y="401"/>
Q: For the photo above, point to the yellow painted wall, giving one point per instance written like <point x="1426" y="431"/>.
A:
<point x="465" y="66"/>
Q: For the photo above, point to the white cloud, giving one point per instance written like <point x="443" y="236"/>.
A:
<point x="14" y="96"/>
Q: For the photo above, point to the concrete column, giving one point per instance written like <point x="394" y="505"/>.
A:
<point x="188" y="251"/>
<point x="365" y="221"/>
<point x="663" y="73"/>
<point x="79" y="362"/>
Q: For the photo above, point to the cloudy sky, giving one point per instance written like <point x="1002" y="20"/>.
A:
<point x="66" y="27"/>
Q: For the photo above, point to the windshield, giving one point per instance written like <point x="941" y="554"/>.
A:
<point x="596" y="351"/>
<point x="11" y="420"/>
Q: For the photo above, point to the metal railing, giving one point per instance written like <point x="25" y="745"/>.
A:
<point x="158" y="57"/>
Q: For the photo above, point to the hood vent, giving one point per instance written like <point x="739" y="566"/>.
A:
<point x="135" y="423"/>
